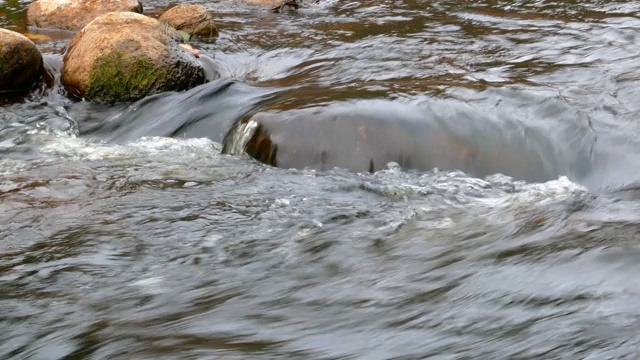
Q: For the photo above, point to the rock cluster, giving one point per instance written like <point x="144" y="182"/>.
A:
<point x="75" y="14"/>
<point x="118" y="54"/>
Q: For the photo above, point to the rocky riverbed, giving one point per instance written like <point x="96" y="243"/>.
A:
<point x="335" y="180"/>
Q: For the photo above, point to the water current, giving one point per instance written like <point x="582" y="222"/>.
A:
<point x="507" y="229"/>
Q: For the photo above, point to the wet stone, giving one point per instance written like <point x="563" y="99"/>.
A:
<point x="192" y="19"/>
<point x="20" y="61"/>
<point x="75" y="14"/>
<point x="366" y="136"/>
<point x="126" y="56"/>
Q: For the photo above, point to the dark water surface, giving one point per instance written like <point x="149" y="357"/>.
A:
<point x="144" y="231"/>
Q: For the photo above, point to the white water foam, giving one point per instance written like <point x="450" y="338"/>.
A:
<point x="81" y="149"/>
<point x="241" y="136"/>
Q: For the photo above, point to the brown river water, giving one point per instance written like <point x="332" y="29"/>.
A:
<point x="454" y="180"/>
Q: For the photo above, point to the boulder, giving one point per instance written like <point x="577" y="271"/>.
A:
<point x="366" y="136"/>
<point x="75" y="14"/>
<point x="20" y="61"/>
<point x="192" y="19"/>
<point x="121" y="57"/>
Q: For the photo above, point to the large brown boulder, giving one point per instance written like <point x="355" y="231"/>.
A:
<point x="192" y="19"/>
<point x="126" y="56"/>
<point x="20" y="61"/>
<point x="75" y="14"/>
<point x="368" y="135"/>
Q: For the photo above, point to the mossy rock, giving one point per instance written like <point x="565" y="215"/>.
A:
<point x="124" y="57"/>
<point x="116" y="77"/>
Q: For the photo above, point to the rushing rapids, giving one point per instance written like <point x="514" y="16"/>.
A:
<point x="372" y="180"/>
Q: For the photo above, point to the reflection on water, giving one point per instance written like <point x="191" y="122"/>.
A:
<point x="145" y="230"/>
<point x="13" y="15"/>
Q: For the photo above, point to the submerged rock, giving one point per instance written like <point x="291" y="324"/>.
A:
<point x="20" y="61"/>
<point x="126" y="56"/>
<point x="266" y="3"/>
<point x="192" y="19"/>
<point x="276" y="5"/>
<point x="75" y="14"/>
<point x="368" y="135"/>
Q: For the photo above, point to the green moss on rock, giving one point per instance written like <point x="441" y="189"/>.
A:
<point x="116" y="77"/>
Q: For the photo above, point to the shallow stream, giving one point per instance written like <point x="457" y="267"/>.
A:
<point x="143" y="231"/>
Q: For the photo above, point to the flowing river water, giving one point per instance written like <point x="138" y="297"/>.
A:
<point x="145" y="231"/>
